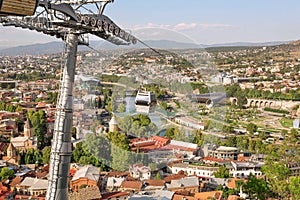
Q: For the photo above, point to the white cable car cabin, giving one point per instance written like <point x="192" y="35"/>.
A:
<point x="145" y="101"/>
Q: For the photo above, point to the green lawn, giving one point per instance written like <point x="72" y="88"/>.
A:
<point x="287" y="123"/>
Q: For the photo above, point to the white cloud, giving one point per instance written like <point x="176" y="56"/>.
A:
<point x="182" y="26"/>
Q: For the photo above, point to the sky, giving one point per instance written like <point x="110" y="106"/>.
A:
<point x="203" y="21"/>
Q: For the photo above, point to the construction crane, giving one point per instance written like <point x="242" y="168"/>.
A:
<point x="70" y="21"/>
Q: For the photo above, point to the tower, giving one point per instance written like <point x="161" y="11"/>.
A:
<point x="113" y="124"/>
<point x="28" y="129"/>
<point x="72" y="25"/>
<point x="11" y="151"/>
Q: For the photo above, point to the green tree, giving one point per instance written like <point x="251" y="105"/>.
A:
<point x="257" y="188"/>
<point x="251" y="128"/>
<point x="228" y="129"/>
<point x="38" y="120"/>
<point x="276" y="165"/>
<point x="223" y="172"/>
<point x="121" y="158"/>
<point x="74" y="132"/>
<point x="32" y="156"/>
<point x="179" y="134"/>
<point x="125" y="124"/>
<point x="198" y="138"/>
<point x="157" y="176"/>
<point x="19" y="108"/>
<point x="46" y="155"/>
<point x="170" y="133"/>
<point x="242" y="143"/>
<point x="10" y="108"/>
<point x="294" y="187"/>
<point x="6" y="173"/>
<point x="121" y="108"/>
<point x="119" y="139"/>
<point x="262" y="135"/>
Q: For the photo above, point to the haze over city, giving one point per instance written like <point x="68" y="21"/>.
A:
<point x="206" y="22"/>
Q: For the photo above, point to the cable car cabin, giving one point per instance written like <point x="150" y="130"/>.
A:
<point x="18" y="7"/>
<point x="145" y="101"/>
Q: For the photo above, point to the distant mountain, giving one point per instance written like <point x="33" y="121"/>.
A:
<point x="56" y="47"/>
<point x="33" y="49"/>
<point x="247" y="44"/>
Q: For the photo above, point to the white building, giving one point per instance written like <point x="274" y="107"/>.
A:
<point x="32" y="186"/>
<point x="244" y="169"/>
<point x="194" y="170"/>
<point x="114" y="183"/>
<point x="139" y="171"/>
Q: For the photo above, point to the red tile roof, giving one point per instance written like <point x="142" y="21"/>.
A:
<point x="232" y="183"/>
<point x="174" y="177"/>
<point x="180" y="197"/>
<point x="160" y="139"/>
<point x="16" y="181"/>
<point x="206" y="195"/>
<point x="155" y="182"/>
<point x="134" y="185"/>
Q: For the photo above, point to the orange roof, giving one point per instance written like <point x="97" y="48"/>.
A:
<point x="3" y="189"/>
<point x="206" y="195"/>
<point x="160" y="139"/>
<point x="41" y="105"/>
<point x="136" y="185"/>
<point x="232" y="183"/>
<point x="117" y="174"/>
<point x="73" y="171"/>
<point x="180" y="197"/>
<point x="16" y="181"/>
<point x="174" y="177"/>
<point x="156" y="182"/>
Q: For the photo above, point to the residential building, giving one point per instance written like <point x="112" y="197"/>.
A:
<point x="87" y="175"/>
<point x="131" y="186"/>
<point x="190" y="184"/>
<point x="226" y="153"/>
<point x="139" y="171"/>
<point x="114" y="183"/>
<point x="32" y="186"/>
<point x="201" y="171"/>
<point x="24" y="143"/>
<point x="244" y="169"/>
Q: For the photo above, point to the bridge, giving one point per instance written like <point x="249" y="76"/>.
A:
<point x="266" y="103"/>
